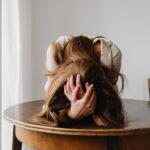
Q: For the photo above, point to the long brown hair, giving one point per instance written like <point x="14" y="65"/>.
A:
<point x="79" y="57"/>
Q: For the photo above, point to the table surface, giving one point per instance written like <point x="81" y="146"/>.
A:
<point x="138" y="113"/>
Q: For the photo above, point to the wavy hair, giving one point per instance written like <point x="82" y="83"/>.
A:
<point x="79" y="57"/>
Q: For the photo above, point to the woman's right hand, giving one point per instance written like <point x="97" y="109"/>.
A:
<point x="82" y="103"/>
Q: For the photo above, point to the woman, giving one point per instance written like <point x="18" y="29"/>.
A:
<point x="82" y="74"/>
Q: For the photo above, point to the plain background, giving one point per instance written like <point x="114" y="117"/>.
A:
<point x="125" y="22"/>
<point x="0" y="72"/>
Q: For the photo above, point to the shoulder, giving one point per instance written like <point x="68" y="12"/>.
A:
<point x="63" y="40"/>
<point x="110" y="53"/>
<point x="107" y="46"/>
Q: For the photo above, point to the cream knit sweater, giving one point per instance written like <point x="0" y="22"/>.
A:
<point x="109" y="52"/>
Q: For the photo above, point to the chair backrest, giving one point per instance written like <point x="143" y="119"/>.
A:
<point x="149" y="87"/>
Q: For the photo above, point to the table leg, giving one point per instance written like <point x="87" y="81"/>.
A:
<point x="112" y="143"/>
<point x="16" y="144"/>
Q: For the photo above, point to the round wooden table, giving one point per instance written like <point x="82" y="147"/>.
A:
<point x="135" y="136"/>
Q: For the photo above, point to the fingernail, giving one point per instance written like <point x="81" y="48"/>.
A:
<point x="77" y="87"/>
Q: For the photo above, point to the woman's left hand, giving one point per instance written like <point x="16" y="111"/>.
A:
<point x="82" y="103"/>
<point x="70" y="86"/>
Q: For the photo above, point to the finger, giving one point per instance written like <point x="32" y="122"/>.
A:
<point x="91" y="103"/>
<point x="65" y="91"/>
<point x="75" y="93"/>
<point x="87" y="85"/>
<point x="92" y="99"/>
<point x="88" y="93"/>
<point x="78" y="83"/>
<point x="72" y="86"/>
<point x="68" y="86"/>
<point x="92" y="107"/>
<point x="78" y="80"/>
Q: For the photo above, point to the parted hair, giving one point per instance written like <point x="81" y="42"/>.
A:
<point x="78" y="57"/>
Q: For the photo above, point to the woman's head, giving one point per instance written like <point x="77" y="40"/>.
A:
<point x="80" y="47"/>
<point x="77" y="48"/>
<point x="80" y="57"/>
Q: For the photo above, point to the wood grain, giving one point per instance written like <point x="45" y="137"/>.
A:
<point x="138" y="113"/>
<point x="44" y="141"/>
<point x="134" y="142"/>
<point x="135" y="135"/>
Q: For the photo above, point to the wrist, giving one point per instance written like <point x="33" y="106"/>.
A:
<point x="71" y="116"/>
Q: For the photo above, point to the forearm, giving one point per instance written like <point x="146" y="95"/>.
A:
<point x="51" y="64"/>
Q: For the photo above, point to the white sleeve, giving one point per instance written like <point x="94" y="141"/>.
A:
<point x="117" y="56"/>
<point x="50" y="62"/>
<point x="110" y="54"/>
<point x="50" y="66"/>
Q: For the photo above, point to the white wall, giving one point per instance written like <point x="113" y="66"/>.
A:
<point x="0" y="76"/>
<point x="16" y="27"/>
<point x="125" y="22"/>
<point x="25" y="17"/>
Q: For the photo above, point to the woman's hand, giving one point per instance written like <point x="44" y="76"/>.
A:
<point x="82" y="103"/>
<point x="69" y="87"/>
